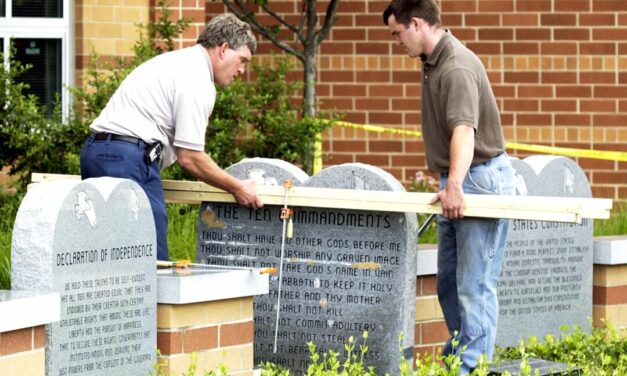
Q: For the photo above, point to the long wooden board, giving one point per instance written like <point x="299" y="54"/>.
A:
<point x="559" y="209"/>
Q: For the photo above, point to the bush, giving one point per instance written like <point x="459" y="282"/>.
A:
<point x="601" y="352"/>
<point x="421" y="182"/>
<point x="258" y="119"/>
<point x="8" y="209"/>
<point x="33" y="140"/>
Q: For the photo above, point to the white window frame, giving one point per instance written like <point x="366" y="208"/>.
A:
<point x="46" y="28"/>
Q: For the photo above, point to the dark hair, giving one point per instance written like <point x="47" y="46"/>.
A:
<point x="405" y="10"/>
<point x="227" y="28"/>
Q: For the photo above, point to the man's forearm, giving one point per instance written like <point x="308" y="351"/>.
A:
<point x="462" y="152"/>
<point x="206" y="170"/>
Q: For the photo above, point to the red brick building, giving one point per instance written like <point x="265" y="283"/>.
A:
<point x="558" y="69"/>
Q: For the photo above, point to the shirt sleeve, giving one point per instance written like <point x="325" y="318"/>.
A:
<point x="193" y="103"/>
<point x="460" y="88"/>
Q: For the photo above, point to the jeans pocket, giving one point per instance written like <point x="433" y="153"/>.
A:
<point x="480" y="181"/>
<point x="110" y="157"/>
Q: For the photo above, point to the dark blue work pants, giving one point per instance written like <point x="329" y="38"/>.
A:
<point x="122" y="159"/>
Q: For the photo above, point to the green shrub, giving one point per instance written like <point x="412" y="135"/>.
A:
<point x="603" y="351"/>
<point x="182" y="231"/>
<point x="421" y="182"/>
<point x="32" y="138"/>
<point x="259" y="119"/>
<point x="616" y="225"/>
<point x="8" y="209"/>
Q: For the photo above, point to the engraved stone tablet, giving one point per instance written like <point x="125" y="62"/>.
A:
<point x="344" y="272"/>
<point x="94" y="242"/>
<point x="546" y="279"/>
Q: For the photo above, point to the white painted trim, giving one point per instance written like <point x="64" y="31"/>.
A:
<point x="610" y="250"/>
<point x="47" y="28"/>
<point x="205" y="286"/>
<point x="427" y="260"/>
<point x="23" y="309"/>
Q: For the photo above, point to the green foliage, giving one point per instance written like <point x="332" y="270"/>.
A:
<point x="425" y="183"/>
<point x="259" y="119"/>
<point x="8" y="209"/>
<point x="37" y="140"/>
<point x="329" y="362"/>
<point x="602" y="352"/>
<point x="32" y="138"/>
<point x="182" y="231"/>
<point x="157" y="369"/>
<point x="616" y="225"/>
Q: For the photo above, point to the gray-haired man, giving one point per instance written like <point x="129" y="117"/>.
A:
<point x="159" y="114"/>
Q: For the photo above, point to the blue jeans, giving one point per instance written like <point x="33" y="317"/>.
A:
<point x="121" y="159"/>
<point x="470" y="255"/>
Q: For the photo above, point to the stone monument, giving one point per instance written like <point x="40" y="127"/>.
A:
<point x="546" y="279"/>
<point x="345" y="272"/>
<point x="94" y="242"/>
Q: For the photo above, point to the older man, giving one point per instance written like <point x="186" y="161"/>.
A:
<point x="160" y="112"/>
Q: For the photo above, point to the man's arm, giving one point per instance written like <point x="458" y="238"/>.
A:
<point x="462" y="152"/>
<point x="205" y="169"/>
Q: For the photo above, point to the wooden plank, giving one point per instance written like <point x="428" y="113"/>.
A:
<point x="562" y="209"/>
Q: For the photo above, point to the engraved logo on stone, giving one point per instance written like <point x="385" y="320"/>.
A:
<point x="257" y="174"/>
<point x="134" y="204"/>
<point x="521" y="186"/>
<point x="85" y="207"/>
<point x="569" y="181"/>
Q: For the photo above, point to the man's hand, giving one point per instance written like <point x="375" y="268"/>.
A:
<point x="205" y="169"/>
<point x="452" y="201"/>
<point x="246" y="195"/>
<point x="462" y="149"/>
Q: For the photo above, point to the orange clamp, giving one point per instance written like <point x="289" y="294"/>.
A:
<point x="286" y="213"/>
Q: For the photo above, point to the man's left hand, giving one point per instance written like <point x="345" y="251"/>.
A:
<point x="452" y="201"/>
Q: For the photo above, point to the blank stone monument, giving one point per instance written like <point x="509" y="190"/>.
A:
<point x="546" y="279"/>
<point x="345" y="271"/>
<point x="94" y="242"/>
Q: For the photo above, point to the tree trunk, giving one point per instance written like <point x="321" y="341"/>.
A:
<point x="309" y="101"/>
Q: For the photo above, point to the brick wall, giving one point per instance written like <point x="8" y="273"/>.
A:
<point x="219" y="333"/>
<point x="108" y="27"/>
<point x="610" y="295"/>
<point x="557" y="69"/>
<point x="430" y="332"/>
<point x="22" y="351"/>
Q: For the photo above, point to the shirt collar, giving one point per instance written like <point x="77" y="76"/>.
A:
<point x="439" y="48"/>
<point x="205" y="54"/>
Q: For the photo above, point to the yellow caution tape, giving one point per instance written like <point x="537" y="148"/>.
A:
<point x="571" y="152"/>
<point x="377" y="128"/>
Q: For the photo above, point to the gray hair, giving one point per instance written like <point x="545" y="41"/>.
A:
<point x="227" y="28"/>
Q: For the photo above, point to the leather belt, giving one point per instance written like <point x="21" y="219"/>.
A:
<point x="115" y="137"/>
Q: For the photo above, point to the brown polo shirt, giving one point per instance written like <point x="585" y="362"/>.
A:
<point x="456" y="91"/>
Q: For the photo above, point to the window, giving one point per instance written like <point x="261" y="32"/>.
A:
<point x="38" y="8"/>
<point x="41" y="35"/>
